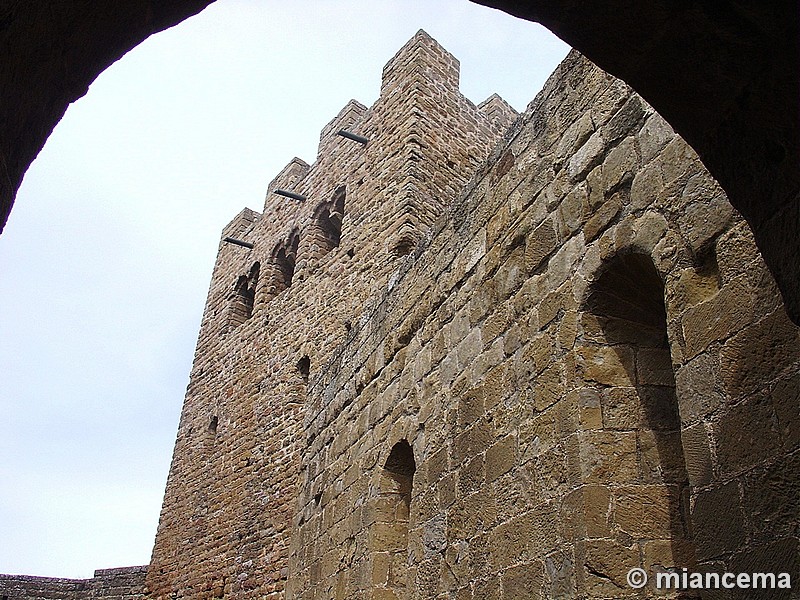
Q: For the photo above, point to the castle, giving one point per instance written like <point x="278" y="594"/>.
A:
<point x="468" y="354"/>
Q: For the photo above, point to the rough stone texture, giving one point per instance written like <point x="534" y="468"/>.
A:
<point x="428" y="381"/>
<point x="574" y="403"/>
<point x="723" y="74"/>
<point x="108" y="584"/>
<point x="278" y="313"/>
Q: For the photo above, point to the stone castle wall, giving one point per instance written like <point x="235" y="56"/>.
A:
<point x="480" y="368"/>
<point x="126" y="583"/>
<point x="276" y="312"/>
<point x="586" y="368"/>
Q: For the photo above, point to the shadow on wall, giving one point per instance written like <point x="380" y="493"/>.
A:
<point x="650" y="502"/>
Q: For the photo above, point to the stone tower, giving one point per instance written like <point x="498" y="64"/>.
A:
<point x="442" y="364"/>
<point x="331" y="237"/>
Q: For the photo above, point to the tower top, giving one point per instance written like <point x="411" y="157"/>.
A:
<point x="421" y="55"/>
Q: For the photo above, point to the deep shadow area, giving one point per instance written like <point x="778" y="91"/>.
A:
<point x="628" y="299"/>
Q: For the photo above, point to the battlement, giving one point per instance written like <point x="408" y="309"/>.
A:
<point x="348" y="119"/>
<point x="424" y="59"/>
<point x="437" y="368"/>
<point x="285" y="294"/>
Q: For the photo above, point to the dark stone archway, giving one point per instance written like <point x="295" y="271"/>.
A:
<point x="723" y="73"/>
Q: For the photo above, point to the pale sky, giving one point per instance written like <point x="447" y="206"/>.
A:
<point x="106" y="258"/>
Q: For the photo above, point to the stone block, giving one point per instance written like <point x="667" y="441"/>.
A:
<point x="560" y="575"/>
<point x="758" y="353"/>
<point x="511" y="542"/>
<point x="602" y="217"/>
<point x="697" y="453"/>
<point x="691" y="287"/>
<point x="586" y="157"/>
<point x="606" y="566"/>
<point x="607" y="365"/>
<point x="734" y="244"/>
<point x="609" y="456"/>
<point x="648" y="231"/>
<point x="718" y="318"/>
<point x="541" y="243"/>
<point x="388" y="536"/>
<point x="500" y="458"/>
<point x="776" y="556"/>
<point x="620" y="165"/>
<point x="597" y="511"/>
<point x="621" y="408"/>
<point x="471" y="476"/>
<point x="591" y="415"/>
<point x="646" y="186"/>
<point x="718" y="521"/>
<point x="676" y="160"/>
<point x="661" y="457"/>
<point x="548" y="387"/>
<point x="496" y="323"/>
<point x="663" y="555"/>
<point x="707" y="212"/>
<point x="470" y="408"/>
<point x="446" y="490"/>
<point x="574" y="137"/>
<point x="745" y="435"/>
<point x="488" y="589"/>
<point x="537" y="434"/>
<point x="770" y="498"/>
<point x="523" y="582"/>
<point x="647" y="512"/>
<point x="626" y="121"/>
<point x="380" y="568"/>
<point x="654" y="367"/>
<point x="699" y="388"/>
<point x="573" y="208"/>
<point x="654" y="135"/>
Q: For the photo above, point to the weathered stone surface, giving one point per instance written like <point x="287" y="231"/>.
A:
<point x="746" y="435"/>
<point x="439" y="404"/>
<point x="586" y="157"/>
<point x="697" y="452"/>
<point x="717" y="319"/>
<point x="718" y="522"/>
<point x="602" y="217"/>
<point x="113" y="584"/>
<point x="758" y="353"/>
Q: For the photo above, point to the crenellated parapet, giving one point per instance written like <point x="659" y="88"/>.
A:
<point x="288" y="286"/>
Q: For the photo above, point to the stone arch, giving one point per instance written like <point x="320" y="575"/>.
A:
<point x="282" y="264"/>
<point x="243" y="297"/>
<point x="389" y="532"/>
<point x="637" y="486"/>
<point x="326" y="228"/>
<point x="748" y="142"/>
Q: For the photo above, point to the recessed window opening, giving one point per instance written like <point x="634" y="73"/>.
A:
<point x="244" y="295"/>
<point x="284" y="259"/>
<point x="212" y="425"/>
<point x="628" y="301"/>
<point x="707" y="270"/>
<point x="304" y="367"/>
<point x="403" y="246"/>
<point x="326" y="230"/>
<point x="390" y="530"/>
